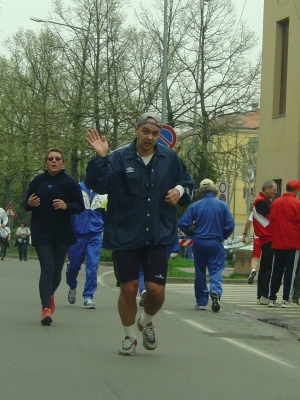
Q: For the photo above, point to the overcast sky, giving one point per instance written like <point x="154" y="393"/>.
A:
<point x="16" y="13"/>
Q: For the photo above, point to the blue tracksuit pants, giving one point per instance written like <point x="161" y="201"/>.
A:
<point x="86" y="248"/>
<point x="208" y="254"/>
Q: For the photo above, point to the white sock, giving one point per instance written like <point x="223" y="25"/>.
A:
<point x="146" y="318"/>
<point x="129" y="330"/>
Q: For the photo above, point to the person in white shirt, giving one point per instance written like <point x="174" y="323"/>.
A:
<point x="5" y="238"/>
<point x="23" y="233"/>
<point x="256" y="250"/>
<point x="3" y="217"/>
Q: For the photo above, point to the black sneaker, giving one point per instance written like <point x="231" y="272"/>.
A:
<point x="215" y="301"/>
<point x="251" y="277"/>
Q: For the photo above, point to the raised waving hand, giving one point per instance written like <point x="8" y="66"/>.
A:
<point x="98" y="143"/>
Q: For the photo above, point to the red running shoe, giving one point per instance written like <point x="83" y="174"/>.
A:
<point x="52" y="304"/>
<point x="46" y="316"/>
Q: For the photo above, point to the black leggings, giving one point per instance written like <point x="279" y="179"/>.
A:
<point x="51" y="258"/>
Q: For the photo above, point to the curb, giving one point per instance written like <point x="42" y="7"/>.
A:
<point x="192" y="280"/>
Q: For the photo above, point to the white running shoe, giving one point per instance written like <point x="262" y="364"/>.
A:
<point x="273" y="303"/>
<point x="141" y="302"/>
<point x="264" y="301"/>
<point x="252" y="276"/>
<point x="200" y="307"/>
<point x="89" y="303"/>
<point x="128" y="346"/>
<point x="149" y="338"/>
<point x="286" y="304"/>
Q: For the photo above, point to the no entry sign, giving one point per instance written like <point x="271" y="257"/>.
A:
<point x="167" y="136"/>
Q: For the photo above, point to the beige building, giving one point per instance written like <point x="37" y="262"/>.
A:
<point x="233" y="151"/>
<point x="279" y="141"/>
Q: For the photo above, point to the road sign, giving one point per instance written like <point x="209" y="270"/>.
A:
<point x="10" y="211"/>
<point x="223" y="191"/>
<point x="167" y="136"/>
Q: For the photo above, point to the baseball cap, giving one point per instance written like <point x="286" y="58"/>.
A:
<point x="207" y="184"/>
<point x="294" y="185"/>
<point x="143" y="118"/>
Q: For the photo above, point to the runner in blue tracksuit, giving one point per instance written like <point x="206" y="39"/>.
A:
<point x="208" y="222"/>
<point x="88" y="227"/>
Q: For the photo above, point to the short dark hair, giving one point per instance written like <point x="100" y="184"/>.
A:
<point x="23" y="222"/>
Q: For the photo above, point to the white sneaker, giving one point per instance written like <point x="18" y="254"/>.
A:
<point x="141" y="302"/>
<point x="273" y="303"/>
<point x="88" y="303"/>
<point x="252" y="276"/>
<point x="286" y="304"/>
<point x="264" y="301"/>
<point x="128" y="346"/>
<point x="149" y="338"/>
<point x="200" y="307"/>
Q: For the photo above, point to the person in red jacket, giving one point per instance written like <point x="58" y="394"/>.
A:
<point x="285" y="225"/>
<point x="262" y="229"/>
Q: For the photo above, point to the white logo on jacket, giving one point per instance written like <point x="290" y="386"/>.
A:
<point x="130" y="169"/>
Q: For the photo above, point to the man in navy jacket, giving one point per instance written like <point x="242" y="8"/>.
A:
<point x="144" y="182"/>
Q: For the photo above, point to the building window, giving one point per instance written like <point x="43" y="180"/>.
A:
<point x="279" y="187"/>
<point x="281" y="64"/>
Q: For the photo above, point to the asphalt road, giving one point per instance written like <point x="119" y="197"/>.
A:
<point x="201" y="354"/>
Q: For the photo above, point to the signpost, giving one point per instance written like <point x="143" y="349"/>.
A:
<point x="167" y="136"/>
<point x="223" y="191"/>
<point x="10" y="211"/>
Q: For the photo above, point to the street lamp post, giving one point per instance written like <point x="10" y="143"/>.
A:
<point x="39" y="19"/>
<point x="165" y="67"/>
<point x="202" y="2"/>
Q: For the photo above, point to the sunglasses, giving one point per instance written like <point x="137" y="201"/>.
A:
<point x="54" y="158"/>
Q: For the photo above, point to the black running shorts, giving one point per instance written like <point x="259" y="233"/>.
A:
<point x="153" y="259"/>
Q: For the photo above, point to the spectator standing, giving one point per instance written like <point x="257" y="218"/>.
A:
<point x="144" y="182"/>
<point x="262" y="229"/>
<point x="208" y="222"/>
<point x="285" y="224"/>
<point x="88" y="228"/>
<point x="5" y="238"/>
<point x="23" y="234"/>
<point x="52" y="197"/>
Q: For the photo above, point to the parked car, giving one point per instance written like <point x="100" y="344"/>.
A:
<point x="231" y="245"/>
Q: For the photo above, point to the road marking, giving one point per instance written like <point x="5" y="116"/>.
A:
<point x="197" y="325"/>
<point x="239" y="344"/>
<point x="258" y="352"/>
<point x="101" y="277"/>
<point x="168" y="312"/>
